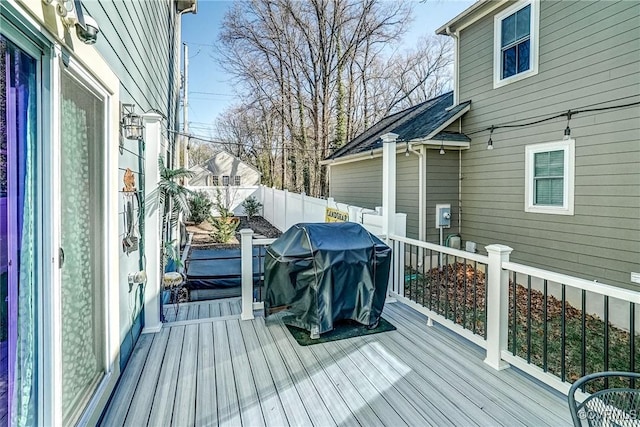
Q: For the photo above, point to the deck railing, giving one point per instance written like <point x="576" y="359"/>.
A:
<point x="251" y="294"/>
<point x="555" y="327"/>
<point x="562" y="327"/>
<point x="448" y="285"/>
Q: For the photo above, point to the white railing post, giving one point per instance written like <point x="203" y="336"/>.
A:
<point x="286" y="202"/>
<point x="153" y="223"/>
<point x="246" y="262"/>
<point x="497" y="305"/>
<point x="389" y="182"/>
<point x="303" y="201"/>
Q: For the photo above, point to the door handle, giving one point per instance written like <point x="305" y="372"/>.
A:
<point x="60" y="257"/>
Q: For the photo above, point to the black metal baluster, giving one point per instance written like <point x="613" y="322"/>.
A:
<point x="563" y="336"/>
<point x="430" y="278"/>
<point x="544" y="328"/>
<point x="464" y="300"/>
<point x="455" y="290"/>
<point x="632" y="342"/>
<point x="583" y="350"/>
<point x="528" y="319"/>
<point x="514" y="315"/>
<point x="424" y="280"/>
<point x="486" y="291"/>
<point x="606" y="339"/>
<point x="445" y="266"/>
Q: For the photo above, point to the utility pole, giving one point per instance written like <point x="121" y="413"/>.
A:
<point x="185" y="108"/>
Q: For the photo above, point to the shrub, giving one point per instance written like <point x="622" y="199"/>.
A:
<point x="224" y="225"/>
<point x="251" y="206"/>
<point x="200" y="206"/>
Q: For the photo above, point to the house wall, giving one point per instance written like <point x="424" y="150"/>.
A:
<point x="360" y="183"/>
<point x="442" y="187"/>
<point x="140" y="42"/>
<point x="357" y="183"/>
<point x="588" y="57"/>
<point x="224" y="164"/>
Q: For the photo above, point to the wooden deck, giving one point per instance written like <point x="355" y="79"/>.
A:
<point x="230" y="372"/>
<point x="202" y="310"/>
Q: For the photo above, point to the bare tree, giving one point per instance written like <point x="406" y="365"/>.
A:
<point x="313" y="74"/>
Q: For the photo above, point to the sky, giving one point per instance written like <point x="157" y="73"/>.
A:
<point x="210" y="91"/>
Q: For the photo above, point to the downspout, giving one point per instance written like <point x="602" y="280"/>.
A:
<point x="421" y="187"/>
<point x="456" y="77"/>
<point x="460" y="191"/>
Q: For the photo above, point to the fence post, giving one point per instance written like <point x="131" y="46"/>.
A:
<point x="246" y="262"/>
<point x="497" y="305"/>
<point x="286" y="202"/>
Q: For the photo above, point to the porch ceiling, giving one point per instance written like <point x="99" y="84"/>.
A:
<point x="233" y="372"/>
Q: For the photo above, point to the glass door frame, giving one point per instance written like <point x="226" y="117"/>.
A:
<point x="26" y="32"/>
<point x="21" y="32"/>
<point x="65" y="62"/>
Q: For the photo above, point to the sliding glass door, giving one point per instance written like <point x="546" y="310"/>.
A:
<point x="18" y="131"/>
<point x="82" y="238"/>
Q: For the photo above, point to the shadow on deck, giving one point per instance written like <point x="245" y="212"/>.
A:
<point x="226" y="371"/>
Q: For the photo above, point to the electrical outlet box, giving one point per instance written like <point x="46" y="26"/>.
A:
<point x="443" y="216"/>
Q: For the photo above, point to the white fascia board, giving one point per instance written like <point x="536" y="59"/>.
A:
<point x="446" y="124"/>
<point x="467" y="16"/>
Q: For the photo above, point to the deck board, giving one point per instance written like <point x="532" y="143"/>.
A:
<point x="224" y="371"/>
<point x="184" y="407"/>
<point x="228" y="407"/>
<point x="116" y="413"/>
<point x="274" y="415"/>
<point x="199" y="310"/>
<point x="206" y="401"/>
<point x="144" y="401"/>
<point x="162" y="409"/>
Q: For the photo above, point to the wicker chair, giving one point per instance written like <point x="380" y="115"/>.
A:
<point x="614" y="406"/>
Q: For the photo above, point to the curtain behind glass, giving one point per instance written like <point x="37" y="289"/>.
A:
<point x="20" y="74"/>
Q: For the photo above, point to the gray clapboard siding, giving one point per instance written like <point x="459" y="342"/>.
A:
<point x="588" y="57"/>
<point x="360" y="183"/>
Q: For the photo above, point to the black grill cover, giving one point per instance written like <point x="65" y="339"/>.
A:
<point x="324" y="272"/>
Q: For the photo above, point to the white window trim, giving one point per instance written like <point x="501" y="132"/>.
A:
<point x="569" y="146"/>
<point x="534" y="44"/>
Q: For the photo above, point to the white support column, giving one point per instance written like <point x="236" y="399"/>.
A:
<point x="246" y="262"/>
<point x="388" y="182"/>
<point x="152" y="227"/>
<point x="497" y="305"/>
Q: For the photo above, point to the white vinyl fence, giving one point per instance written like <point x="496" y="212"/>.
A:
<point x="284" y="209"/>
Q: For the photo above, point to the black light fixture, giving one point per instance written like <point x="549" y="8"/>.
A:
<point x="442" y="147"/>
<point x="567" y="130"/>
<point x="406" y="150"/>
<point x="490" y="142"/>
<point x="130" y="122"/>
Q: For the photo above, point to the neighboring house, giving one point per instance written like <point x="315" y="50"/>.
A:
<point x="224" y="169"/>
<point x="564" y="194"/>
<point x="71" y="317"/>
<point x="355" y="170"/>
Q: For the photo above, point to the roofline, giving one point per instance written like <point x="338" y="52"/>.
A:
<point x="446" y="124"/>
<point x="466" y="15"/>
<point x="216" y="152"/>
<point x="400" y="148"/>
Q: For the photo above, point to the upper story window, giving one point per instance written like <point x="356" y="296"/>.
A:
<point x="215" y="181"/>
<point x="236" y="180"/>
<point x="225" y="180"/>
<point x="549" y="170"/>
<point x="516" y="43"/>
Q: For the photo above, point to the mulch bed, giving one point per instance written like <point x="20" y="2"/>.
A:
<point x="202" y="232"/>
